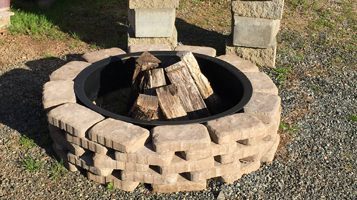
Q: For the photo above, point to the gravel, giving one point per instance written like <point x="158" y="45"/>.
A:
<point x="316" y="161"/>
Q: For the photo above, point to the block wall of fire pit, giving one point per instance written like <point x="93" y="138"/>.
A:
<point x="170" y="158"/>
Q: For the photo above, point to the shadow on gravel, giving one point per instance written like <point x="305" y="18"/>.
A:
<point x="21" y="98"/>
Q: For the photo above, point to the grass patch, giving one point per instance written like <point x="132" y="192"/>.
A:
<point x="353" y="118"/>
<point x="31" y="164"/>
<point x="288" y="128"/>
<point x="27" y="142"/>
<point x="110" y="186"/>
<point x="57" y="170"/>
<point x="282" y="74"/>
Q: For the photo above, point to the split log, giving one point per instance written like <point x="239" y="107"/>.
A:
<point x="151" y="80"/>
<point x="146" y="61"/>
<point x="170" y="103"/>
<point x="146" y="107"/>
<point x="201" y="81"/>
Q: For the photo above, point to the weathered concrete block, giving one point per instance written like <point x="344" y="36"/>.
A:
<point x="171" y="41"/>
<point x="104" y="161"/>
<point x="235" y="127"/>
<point x="58" y="92"/>
<point x="133" y="4"/>
<point x="86" y="144"/>
<point x="86" y="162"/>
<point x="264" y="106"/>
<point x="5" y="19"/>
<point x="261" y="57"/>
<point x="179" y="165"/>
<point x="216" y="171"/>
<point x="119" y="135"/>
<point x="180" y="137"/>
<point x="73" y="118"/>
<point x="268" y="156"/>
<point x="157" y="22"/>
<point x="181" y="185"/>
<point x="272" y="9"/>
<point x="255" y="32"/>
<point x="150" y="176"/>
<point x="128" y="186"/>
<point x="69" y="71"/>
<point x="209" y="51"/>
<point x="243" y="65"/>
<point x="149" y="47"/>
<point x="102" y="55"/>
<point x="262" y="83"/>
<point x="62" y="154"/>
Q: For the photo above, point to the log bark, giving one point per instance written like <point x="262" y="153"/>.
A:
<point x="146" y="61"/>
<point x="201" y="81"/>
<point x="152" y="79"/>
<point x="188" y="92"/>
<point x="170" y="103"/>
<point x="146" y="107"/>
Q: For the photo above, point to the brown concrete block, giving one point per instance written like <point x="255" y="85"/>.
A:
<point x="69" y="71"/>
<point x="60" y="142"/>
<point x="87" y="144"/>
<point x="213" y="150"/>
<point x="235" y="127"/>
<point x="268" y="156"/>
<point x="145" y="155"/>
<point x="149" y="47"/>
<point x="104" y="161"/>
<point x="73" y="118"/>
<point x="180" y="137"/>
<point x="264" y="106"/>
<point x="150" y="176"/>
<point x="119" y="135"/>
<point x="181" y="185"/>
<point x="58" y="92"/>
<point x="218" y="170"/>
<point x="86" y="162"/>
<point x="102" y="55"/>
<point x="245" y="168"/>
<point x="209" y="51"/>
<point x="128" y="186"/>
<point x="262" y="83"/>
<point x="62" y="154"/>
<point x="179" y="165"/>
<point x="243" y="65"/>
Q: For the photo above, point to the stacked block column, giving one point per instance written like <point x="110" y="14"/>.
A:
<point x="5" y="15"/>
<point x="255" y="26"/>
<point x="152" y="22"/>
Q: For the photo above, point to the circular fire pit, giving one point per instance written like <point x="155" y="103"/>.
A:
<point x="171" y="156"/>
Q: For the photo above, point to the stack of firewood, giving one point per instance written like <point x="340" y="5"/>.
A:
<point x="179" y="91"/>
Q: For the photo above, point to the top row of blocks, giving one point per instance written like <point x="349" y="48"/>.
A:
<point x="272" y="9"/>
<point x="134" y="4"/>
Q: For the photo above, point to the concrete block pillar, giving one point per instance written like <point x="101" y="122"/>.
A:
<point x="152" y="22"/>
<point x="255" y="26"/>
<point x="5" y="14"/>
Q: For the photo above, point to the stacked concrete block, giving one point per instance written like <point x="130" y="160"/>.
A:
<point x="170" y="158"/>
<point x="255" y="27"/>
<point x="152" y="22"/>
<point x="5" y="22"/>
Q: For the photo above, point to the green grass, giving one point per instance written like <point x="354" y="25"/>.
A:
<point x="57" y="170"/>
<point x="31" y="164"/>
<point x="282" y="74"/>
<point x="291" y="129"/>
<point x="353" y="118"/>
<point x="26" y="142"/>
<point x="110" y="186"/>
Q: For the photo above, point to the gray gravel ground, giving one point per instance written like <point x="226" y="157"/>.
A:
<point x="316" y="161"/>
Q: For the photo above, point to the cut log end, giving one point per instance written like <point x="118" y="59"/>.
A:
<point x="146" y="107"/>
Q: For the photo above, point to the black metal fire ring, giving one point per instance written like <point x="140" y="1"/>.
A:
<point x="82" y="97"/>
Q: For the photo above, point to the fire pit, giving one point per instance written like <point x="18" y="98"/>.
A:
<point x="87" y="106"/>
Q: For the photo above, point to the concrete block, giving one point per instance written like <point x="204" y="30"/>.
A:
<point x="73" y="118"/>
<point x="133" y="4"/>
<point x="171" y="41"/>
<point x="262" y="83"/>
<point x="119" y="135"/>
<point x="149" y="47"/>
<point x="151" y="176"/>
<point x="128" y="186"/>
<point x="209" y="51"/>
<point x="86" y="144"/>
<point x="181" y="185"/>
<point x="102" y="55"/>
<point x="69" y="71"/>
<point x="255" y="32"/>
<point x="180" y="137"/>
<point x="243" y="65"/>
<point x="261" y="57"/>
<point x="153" y="22"/>
<point x="272" y="9"/>
<point x="56" y="93"/>
<point x="179" y="165"/>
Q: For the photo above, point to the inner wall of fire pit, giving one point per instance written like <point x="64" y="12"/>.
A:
<point x="106" y="89"/>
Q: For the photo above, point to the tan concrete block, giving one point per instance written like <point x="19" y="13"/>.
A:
<point x="264" y="106"/>
<point x="69" y="71"/>
<point x="145" y="155"/>
<point x="171" y="41"/>
<point x="218" y="170"/>
<point x="62" y="154"/>
<point x="213" y="150"/>
<point x="86" y="144"/>
<point x="150" y="176"/>
<point x="86" y="162"/>
<point x="180" y="137"/>
<point x="181" y="185"/>
<point x="262" y="83"/>
<point x="272" y="9"/>
<point x="58" y="92"/>
<point x="235" y="127"/>
<point x="119" y="135"/>
<point x="261" y="57"/>
<point x="245" y="66"/>
<point x="104" y="161"/>
<point x="153" y="4"/>
<point x="245" y="168"/>
<point x="149" y="47"/>
<point x="60" y="142"/>
<point x="128" y="186"/>
<point x="102" y="55"/>
<point x="73" y="118"/>
<point x="179" y="165"/>
<point x="268" y="156"/>
<point x="209" y="51"/>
